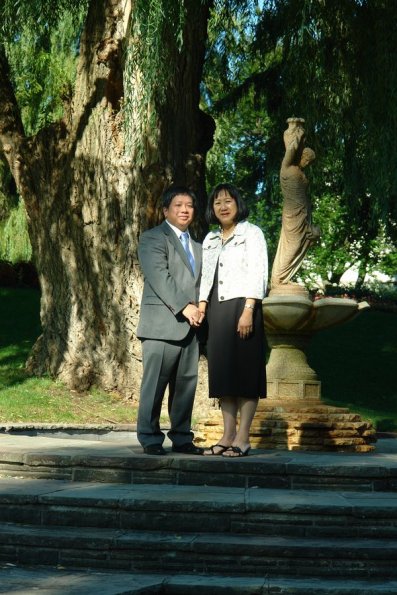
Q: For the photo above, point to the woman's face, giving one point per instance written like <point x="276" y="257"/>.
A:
<point x="225" y="208"/>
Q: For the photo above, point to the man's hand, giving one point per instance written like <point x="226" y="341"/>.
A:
<point x="193" y="315"/>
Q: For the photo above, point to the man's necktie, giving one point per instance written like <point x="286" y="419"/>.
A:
<point x="185" y="244"/>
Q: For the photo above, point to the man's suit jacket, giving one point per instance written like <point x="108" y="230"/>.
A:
<point x="169" y="284"/>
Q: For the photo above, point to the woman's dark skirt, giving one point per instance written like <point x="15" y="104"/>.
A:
<point x="236" y="367"/>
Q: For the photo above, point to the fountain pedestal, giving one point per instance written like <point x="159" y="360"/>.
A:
<point x="293" y="416"/>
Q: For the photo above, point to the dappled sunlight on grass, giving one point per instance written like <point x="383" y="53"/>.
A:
<point x="24" y="398"/>
<point x="48" y="401"/>
<point x="356" y="363"/>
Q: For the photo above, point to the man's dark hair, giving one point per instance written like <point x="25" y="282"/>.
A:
<point x="173" y="191"/>
<point x="242" y="209"/>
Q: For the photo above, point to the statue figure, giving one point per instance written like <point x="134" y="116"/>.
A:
<point x="297" y="231"/>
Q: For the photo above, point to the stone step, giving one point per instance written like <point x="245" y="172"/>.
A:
<point x="301" y="513"/>
<point x="194" y="552"/>
<point x="274" y="522"/>
<point x="106" y="461"/>
<point x="55" y="581"/>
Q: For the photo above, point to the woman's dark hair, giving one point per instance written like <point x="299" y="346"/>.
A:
<point x="242" y="209"/>
<point x="173" y="191"/>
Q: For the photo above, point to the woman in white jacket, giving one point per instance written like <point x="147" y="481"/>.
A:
<point x="233" y="284"/>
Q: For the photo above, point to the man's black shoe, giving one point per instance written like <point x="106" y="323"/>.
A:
<point x="188" y="449"/>
<point x="154" y="449"/>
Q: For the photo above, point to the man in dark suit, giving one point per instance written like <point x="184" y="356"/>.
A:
<point x="169" y="317"/>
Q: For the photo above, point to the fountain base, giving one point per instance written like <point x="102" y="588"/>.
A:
<point x="293" y="417"/>
<point x="308" y="426"/>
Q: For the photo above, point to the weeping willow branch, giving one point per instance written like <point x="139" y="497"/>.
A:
<point x="156" y="33"/>
<point x="35" y="14"/>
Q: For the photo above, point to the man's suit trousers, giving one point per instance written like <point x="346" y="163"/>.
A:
<point x="172" y="363"/>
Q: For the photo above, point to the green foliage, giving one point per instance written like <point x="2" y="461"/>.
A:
<point x="43" y="68"/>
<point x="156" y="32"/>
<point x="267" y="217"/>
<point x="36" y="15"/>
<point x="339" y="71"/>
<point x="380" y="296"/>
<point x="345" y="243"/>
<point x="14" y="238"/>
<point x="240" y="137"/>
<point x="389" y="261"/>
<point x="335" y="65"/>
<point x="243" y="126"/>
<point x="8" y="197"/>
<point x="339" y="246"/>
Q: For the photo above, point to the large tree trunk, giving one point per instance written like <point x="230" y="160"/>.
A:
<point x="87" y="199"/>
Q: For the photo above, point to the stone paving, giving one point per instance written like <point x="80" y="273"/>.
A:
<point x="26" y="581"/>
<point x="123" y="445"/>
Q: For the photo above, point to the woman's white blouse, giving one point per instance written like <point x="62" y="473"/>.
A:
<point x="243" y="264"/>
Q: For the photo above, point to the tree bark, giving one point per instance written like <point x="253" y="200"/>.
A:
<point x="87" y="200"/>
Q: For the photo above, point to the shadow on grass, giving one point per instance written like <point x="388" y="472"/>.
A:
<point x="386" y="425"/>
<point x="356" y="364"/>
<point x="12" y="369"/>
<point x="19" y="328"/>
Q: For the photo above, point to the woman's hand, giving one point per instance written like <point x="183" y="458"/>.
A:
<point x="192" y="314"/>
<point x="202" y="309"/>
<point x="244" y="327"/>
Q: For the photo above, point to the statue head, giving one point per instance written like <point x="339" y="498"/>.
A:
<point x="308" y="155"/>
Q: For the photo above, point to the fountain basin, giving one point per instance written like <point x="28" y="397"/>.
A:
<point x="295" y="313"/>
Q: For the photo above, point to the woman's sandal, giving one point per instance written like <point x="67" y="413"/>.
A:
<point x="237" y="452"/>
<point x="221" y="447"/>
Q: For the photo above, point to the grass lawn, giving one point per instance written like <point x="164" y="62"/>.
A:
<point x="30" y="399"/>
<point x="357" y="365"/>
<point x="356" y="362"/>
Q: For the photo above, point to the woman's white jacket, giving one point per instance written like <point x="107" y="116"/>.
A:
<point x="243" y="264"/>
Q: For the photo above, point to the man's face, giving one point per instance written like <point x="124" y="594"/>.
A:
<point x="180" y="212"/>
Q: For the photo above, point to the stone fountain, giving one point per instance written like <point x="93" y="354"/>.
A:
<point x="293" y="416"/>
